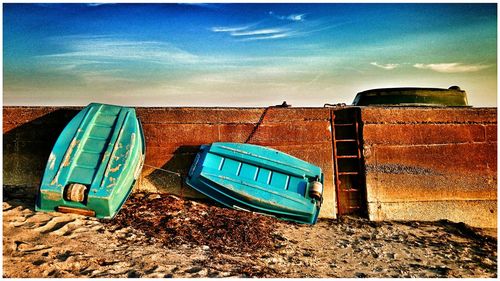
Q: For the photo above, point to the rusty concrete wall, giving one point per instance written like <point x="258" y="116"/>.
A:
<point x="173" y="136"/>
<point x="421" y="163"/>
<point x="29" y="133"/>
<point x="431" y="164"/>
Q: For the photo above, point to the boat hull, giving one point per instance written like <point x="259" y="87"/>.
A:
<point x="98" y="156"/>
<point x="258" y="179"/>
<point x="431" y="97"/>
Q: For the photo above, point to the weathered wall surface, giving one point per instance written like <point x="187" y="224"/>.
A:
<point x="421" y="163"/>
<point x="431" y="164"/>
<point x="173" y="136"/>
<point x="29" y="133"/>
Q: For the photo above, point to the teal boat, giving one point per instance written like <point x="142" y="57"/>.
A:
<point x="94" y="163"/>
<point x="258" y="179"/>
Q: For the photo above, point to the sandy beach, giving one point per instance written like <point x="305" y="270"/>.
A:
<point x="159" y="235"/>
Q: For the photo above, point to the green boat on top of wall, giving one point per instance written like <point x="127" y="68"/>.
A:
<point x="258" y="179"/>
<point x="94" y="163"/>
<point x="411" y="96"/>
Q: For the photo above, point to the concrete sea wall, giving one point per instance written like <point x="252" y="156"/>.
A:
<point x="173" y="137"/>
<point x="420" y="163"/>
<point x="431" y="164"/>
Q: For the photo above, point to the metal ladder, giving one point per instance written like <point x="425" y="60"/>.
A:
<point x="348" y="162"/>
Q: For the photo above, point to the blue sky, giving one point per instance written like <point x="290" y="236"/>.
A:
<point x="243" y="54"/>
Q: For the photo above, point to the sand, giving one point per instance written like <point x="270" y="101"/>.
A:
<point x="172" y="237"/>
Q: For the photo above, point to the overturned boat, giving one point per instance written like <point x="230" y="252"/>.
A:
<point x="94" y="163"/>
<point x="430" y="97"/>
<point x="258" y="179"/>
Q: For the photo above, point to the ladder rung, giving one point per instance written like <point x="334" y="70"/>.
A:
<point x="345" y="124"/>
<point x="353" y="207"/>
<point x="350" y="190"/>
<point x="347" y="156"/>
<point x="346" y="140"/>
<point x="348" y="173"/>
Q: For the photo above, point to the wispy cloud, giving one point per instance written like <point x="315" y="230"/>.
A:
<point x="268" y="37"/>
<point x="266" y="31"/>
<point x="229" y="29"/>
<point x="292" y="17"/>
<point x="250" y="33"/>
<point x="299" y="17"/>
<point x="98" y="4"/>
<point x="211" y="6"/>
<point x="76" y="52"/>
<point x="110" y="59"/>
<point x="451" y="67"/>
<point x="388" y="66"/>
<point x="109" y="48"/>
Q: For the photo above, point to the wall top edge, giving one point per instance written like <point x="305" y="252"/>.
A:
<point x="277" y="107"/>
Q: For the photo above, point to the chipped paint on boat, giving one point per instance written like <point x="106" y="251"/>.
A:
<point x="258" y="179"/>
<point x="102" y="148"/>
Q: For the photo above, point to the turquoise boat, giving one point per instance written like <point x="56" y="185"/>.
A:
<point x="94" y="163"/>
<point x="258" y="179"/>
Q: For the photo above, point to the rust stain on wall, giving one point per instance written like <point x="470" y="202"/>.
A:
<point x="431" y="163"/>
<point x="398" y="169"/>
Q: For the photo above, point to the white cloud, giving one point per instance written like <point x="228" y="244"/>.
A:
<point x="298" y="17"/>
<point x="388" y="66"/>
<point x="108" y="59"/>
<point x="258" y="32"/>
<point x="196" y="4"/>
<point x="268" y="37"/>
<point x="247" y="33"/>
<point x="451" y="67"/>
<point x="292" y="17"/>
<point x="228" y="29"/>
<point x="98" y="4"/>
<point x="112" y="49"/>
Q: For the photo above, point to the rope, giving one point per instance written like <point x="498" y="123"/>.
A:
<point x="334" y="105"/>
<point x="246" y="141"/>
<point x="258" y="124"/>
<point x="164" y="170"/>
